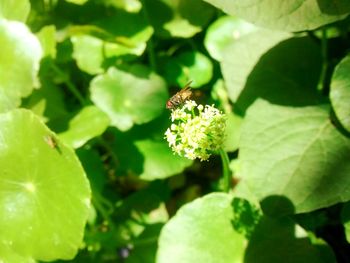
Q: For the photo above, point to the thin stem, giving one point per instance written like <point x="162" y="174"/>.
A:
<point x="324" y="46"/>
<point x="70" y="85"/>
<point x="226" y="170"/>
<point x="150" y="44"/>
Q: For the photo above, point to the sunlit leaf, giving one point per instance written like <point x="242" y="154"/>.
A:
<point x="129" y="97"/>
<point x="87" y="124"/>
<point x="108" y="39"/>
<point x="15" y="10"/>
<point x="189" y="66"/>
<point x="159" y="161"/>
<point x="77" y="2"/>
<point x="19" y="63"/>
<point x="43" y="190"/>
<point x="340" y="92"/>
<point x="195" y="233"/>
<point x="47" y="39"/>
<point x="288" y="15"/>
<point x="223" y="32"/>
<point x="264" y="64"/>
<point x="294" y="152"/>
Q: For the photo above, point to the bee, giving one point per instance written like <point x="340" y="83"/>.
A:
<point x="180" y="97"/>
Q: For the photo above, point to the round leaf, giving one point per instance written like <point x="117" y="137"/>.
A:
<point x="19" y="63"/>
<point x="189" y="66"/>
<point x="223" y="32"/>
<point x="87" y="124"/>
<point x="288" y="15"/>
<point x="202" y="231"/>
<point x="129" y="97"/>
<point x="159" y="161"/>
<point x="15" y="10"/>
<point x="340" y="92"/>
<point x="44" y="193"/>
<point x="294" y="152"/>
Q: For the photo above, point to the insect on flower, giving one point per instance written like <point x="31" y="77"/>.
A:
<point x="180" y="97"/>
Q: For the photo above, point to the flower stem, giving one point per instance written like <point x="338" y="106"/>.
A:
<point x="226" y="170"/>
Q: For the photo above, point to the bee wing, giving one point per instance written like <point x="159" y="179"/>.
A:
<point x="187" y="86"/>
<point x="186" y="91"/>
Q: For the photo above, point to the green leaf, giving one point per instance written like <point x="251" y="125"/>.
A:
<point x="19" y="63"/>
<point x="223" y="32"/>
<point x="242" y="56"/>
<point x="179" y="18"/>
<point x="90" y="122"/>
<point x="77" y="2"/>
<point x="8" y="255"/>
<point x="345" y="218"/>
<point x="296" y="153"/>
<point x="44" y="193"/>
<point x="288" y="15"/>
<point x="159" y="161"/>
<point x="201" y="231"/>
<point x="145" y="251"/>
<point x="48" y="101"/>
<point x="109" y="38"/>
<point x="190" y="65"/>
<point x="260" y="65"/>
<point x="15" y="10"/>
<point x="340" y="92"/>
<point x="233" y="129"/>
<point x="275" y="240"/>
<point x="129" y="97"/>
<point x="47" y="39"/>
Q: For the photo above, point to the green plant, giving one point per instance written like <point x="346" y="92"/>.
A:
<point x="87" y="175"/>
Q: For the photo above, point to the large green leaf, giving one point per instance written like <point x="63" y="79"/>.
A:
<point x="265" y="64"/>
<point x="296" y="153"/>
<point x="288" y="15"/>
<point x="340" y="92"/>
<point x="87" y="124"/>
<point x="180" y="18"/>
<point x="129" y="97"/>
<point x="44" y="193"/>
<point x="15" y="10"/>
<point x="202" y="231"/>
<point x="19" y="63"/>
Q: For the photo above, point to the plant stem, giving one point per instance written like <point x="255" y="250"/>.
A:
<point x="324" y="46"/>
<point x="226" y="170"/>
<point x="150" y="44"/>
<point x="70" y="85"/>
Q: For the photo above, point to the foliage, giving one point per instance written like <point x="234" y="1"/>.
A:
<point x="87" y="175"/>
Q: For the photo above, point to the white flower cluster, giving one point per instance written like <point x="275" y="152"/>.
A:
<point x="197" y="131"/>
